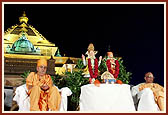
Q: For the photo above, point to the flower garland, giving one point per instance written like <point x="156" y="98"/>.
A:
<point x="108" y="63"/>
<point x="93" y="75"/>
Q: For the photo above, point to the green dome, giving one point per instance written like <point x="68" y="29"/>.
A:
<point x="23" y="45"/>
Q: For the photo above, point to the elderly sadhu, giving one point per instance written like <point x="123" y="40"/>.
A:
<point x="150" y="95"/>
<point x="43" y="95"/>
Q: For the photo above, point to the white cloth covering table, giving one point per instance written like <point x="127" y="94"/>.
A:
<point x="107" y="97"/>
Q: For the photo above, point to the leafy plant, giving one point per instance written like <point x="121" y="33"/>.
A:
<point x="24" y="76"/>
<point x="102" y="68"/>
<point x="124" y="76"/>
<point x="80" y="64"/>
<point x="74" y="81"/>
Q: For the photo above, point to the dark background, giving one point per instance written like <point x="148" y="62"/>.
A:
<point x="134" y="32"/>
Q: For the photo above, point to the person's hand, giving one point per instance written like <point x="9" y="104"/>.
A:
<point x="45" y="87"/>
<point x="83" y="57"/>
<point x="104" y="58"/>
<point x="100" y="58"/>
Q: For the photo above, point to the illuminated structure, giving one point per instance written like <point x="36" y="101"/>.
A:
<point x="23" y="45"/>
<point x="12" y="34"/>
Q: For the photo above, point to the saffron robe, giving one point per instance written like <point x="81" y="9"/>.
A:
<point x="42" y="100"/>
<point x="158" y="92"/>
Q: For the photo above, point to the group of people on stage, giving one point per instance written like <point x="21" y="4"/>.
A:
<point x="46" y="97"/>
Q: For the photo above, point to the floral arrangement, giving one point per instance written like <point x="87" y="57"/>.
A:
<point x="108" y="63"/>
<point x="123" y="75"/>
<point x="93" y="75"/>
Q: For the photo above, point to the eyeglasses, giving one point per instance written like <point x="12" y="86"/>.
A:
<point x="43" y="67"/>
<point x="149" y="77"/>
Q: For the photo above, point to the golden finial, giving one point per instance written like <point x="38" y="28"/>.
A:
<point x="24" y="14"/>
<point x="23" y="18"/>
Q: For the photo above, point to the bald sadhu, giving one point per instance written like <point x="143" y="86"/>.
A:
<point x="150" y="91"/>
<point x="43" y="95"/>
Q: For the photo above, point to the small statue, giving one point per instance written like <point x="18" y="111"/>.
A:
<point x="91" y="63"/>
<point x="112" y="65"/>
<point x="108" y="78"/>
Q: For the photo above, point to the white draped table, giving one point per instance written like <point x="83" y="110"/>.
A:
<point x="107" y="97"/>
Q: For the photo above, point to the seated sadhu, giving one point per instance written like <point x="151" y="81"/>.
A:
<point x="150" y="95"/>
<point x="43" y="95"/>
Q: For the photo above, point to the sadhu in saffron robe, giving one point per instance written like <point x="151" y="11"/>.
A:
<point x="42" y="100"/>
<point x="158" y="92"/>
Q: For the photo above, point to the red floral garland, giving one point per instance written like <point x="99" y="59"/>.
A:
<point x="95" y="68"/>
<point x="108" y="63"/>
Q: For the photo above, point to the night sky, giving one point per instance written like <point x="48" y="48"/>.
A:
<point x="134" y="32"/>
